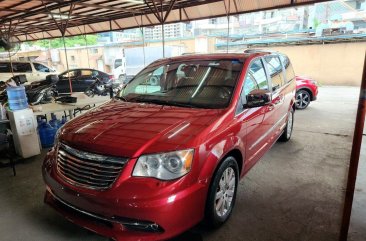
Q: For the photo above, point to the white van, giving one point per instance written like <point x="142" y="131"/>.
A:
<point x="33" y="70"/>
<point x="119" y="69"/>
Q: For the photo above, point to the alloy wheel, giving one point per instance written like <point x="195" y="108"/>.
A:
<point x="225" y="192"/>
<point x="302" y="99"/>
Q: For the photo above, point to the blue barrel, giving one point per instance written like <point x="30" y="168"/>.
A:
<point x="17" y="98"/>
<point x="46" y="134"/>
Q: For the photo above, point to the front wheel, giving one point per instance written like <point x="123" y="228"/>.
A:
<point x="286" y="135"/>
<point x="303" y="99"/>
<point x="222" y="193"/>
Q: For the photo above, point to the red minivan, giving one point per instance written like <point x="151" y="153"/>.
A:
<point x="164" y="155"/>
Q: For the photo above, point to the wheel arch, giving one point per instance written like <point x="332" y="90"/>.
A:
<point x="307" y="90"/>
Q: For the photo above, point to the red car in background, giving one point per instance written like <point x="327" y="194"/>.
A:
<point x="306" y="91"/>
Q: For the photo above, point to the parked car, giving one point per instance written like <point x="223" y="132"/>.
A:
<point x="32" y="70"/>
<point x="306" y="91"/>
<point x="157" y="159"/>
<point x="81" y="79"/>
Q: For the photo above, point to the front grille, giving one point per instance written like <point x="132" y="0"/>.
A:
<point x="87" y="169"/>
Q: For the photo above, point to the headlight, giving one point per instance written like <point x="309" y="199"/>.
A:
<point x="55" y="141"/>
<point x="164" y="166"/>
<point x="314" y="82"/>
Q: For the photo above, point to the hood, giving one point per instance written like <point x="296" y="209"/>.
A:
<point x="130" y="129"/>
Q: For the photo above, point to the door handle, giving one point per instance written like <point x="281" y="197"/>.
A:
<point x="279" y="100"/>
<point x="270" y="107"/>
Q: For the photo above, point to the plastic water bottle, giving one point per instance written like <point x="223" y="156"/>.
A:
<point x="39" y="121"/>
<point x="46" y="134"/>
<point x="17" y="97"/>
<point x="54" y="122"/>
<point x="63" y="120"/>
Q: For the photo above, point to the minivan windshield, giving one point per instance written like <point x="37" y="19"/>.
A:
<point x="193" y="83"/>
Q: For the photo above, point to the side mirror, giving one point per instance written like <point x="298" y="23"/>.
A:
<point x="20" y="79"/>
<point x="257" y="98"/>
<point x="52" y="78"/>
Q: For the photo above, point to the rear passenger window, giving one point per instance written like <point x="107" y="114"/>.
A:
<point x="41" y="68"/>
<point x="5" y="68"/>
<point x="22" y="68"/>
<point x="275" y="71"/>
<point x="289" y="71"/>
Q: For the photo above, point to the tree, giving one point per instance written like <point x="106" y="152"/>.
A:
<point x="316" y="23"/>
<point x="69" y="41"/>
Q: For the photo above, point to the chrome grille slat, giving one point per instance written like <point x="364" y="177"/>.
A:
<point x="63" y="154"/>
<point x="80" y="178"/>
<point x="79" y="181"/>
<point x="85" y="168"/>
<point x="81" y="172"/>
<point x="89" y="170"/>
<point x="89" y="156"/>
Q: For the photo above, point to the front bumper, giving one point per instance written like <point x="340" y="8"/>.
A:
<point x="315" y="94"/>
<point x="132" y="209"/>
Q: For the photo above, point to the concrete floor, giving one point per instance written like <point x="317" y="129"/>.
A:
<point x="294" y="193"/>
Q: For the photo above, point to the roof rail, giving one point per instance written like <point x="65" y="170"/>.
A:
<point x="251" y="51"/>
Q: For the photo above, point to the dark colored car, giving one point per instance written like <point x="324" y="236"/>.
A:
<point x="81" y="79"/>
<point x="306" y="91"/>
<point x="157" y="159"/>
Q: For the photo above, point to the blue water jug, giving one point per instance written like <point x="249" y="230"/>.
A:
<point x="46" y="134"/>
<point x="54" y="122"/>
<point x="39" y="121"/>
<point x="17" y="97"/>
<point x="63" y="120"/>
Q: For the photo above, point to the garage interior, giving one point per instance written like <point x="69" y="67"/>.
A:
<point x="296" y="192"/>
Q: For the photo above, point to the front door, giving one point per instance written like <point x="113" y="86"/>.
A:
<point x="63" y="85"/>
<point x="257" y="121"/>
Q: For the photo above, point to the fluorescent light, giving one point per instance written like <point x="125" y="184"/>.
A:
<point x="58" y="16"/>
<point x="135" y="1"/>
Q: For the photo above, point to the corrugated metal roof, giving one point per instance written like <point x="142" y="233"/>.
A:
<point x="32" y="19"/>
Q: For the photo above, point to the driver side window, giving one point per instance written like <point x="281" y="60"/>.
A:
<point x="255" y="78"/>
<point x="151" y="82"/>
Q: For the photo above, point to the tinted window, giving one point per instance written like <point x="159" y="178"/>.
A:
<point x="22" y="68"/>
<point x="5" y="68"/>
<point x="97" y="74"/>
<point x="289" y="71"/>
<point x="41" y="68"/>
<point x="71" y="73"/>
<point x="275" y="71"/>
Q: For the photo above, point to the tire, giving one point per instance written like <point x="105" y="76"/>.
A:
<point x="287" y="133"/>
<point x="303" y="99"/>
<point x="216" y="214"/>
<point x="89" y="92"/>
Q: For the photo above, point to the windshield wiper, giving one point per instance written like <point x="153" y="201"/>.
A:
<point x="121" y="98"/>
<point x="163" y="102"/>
